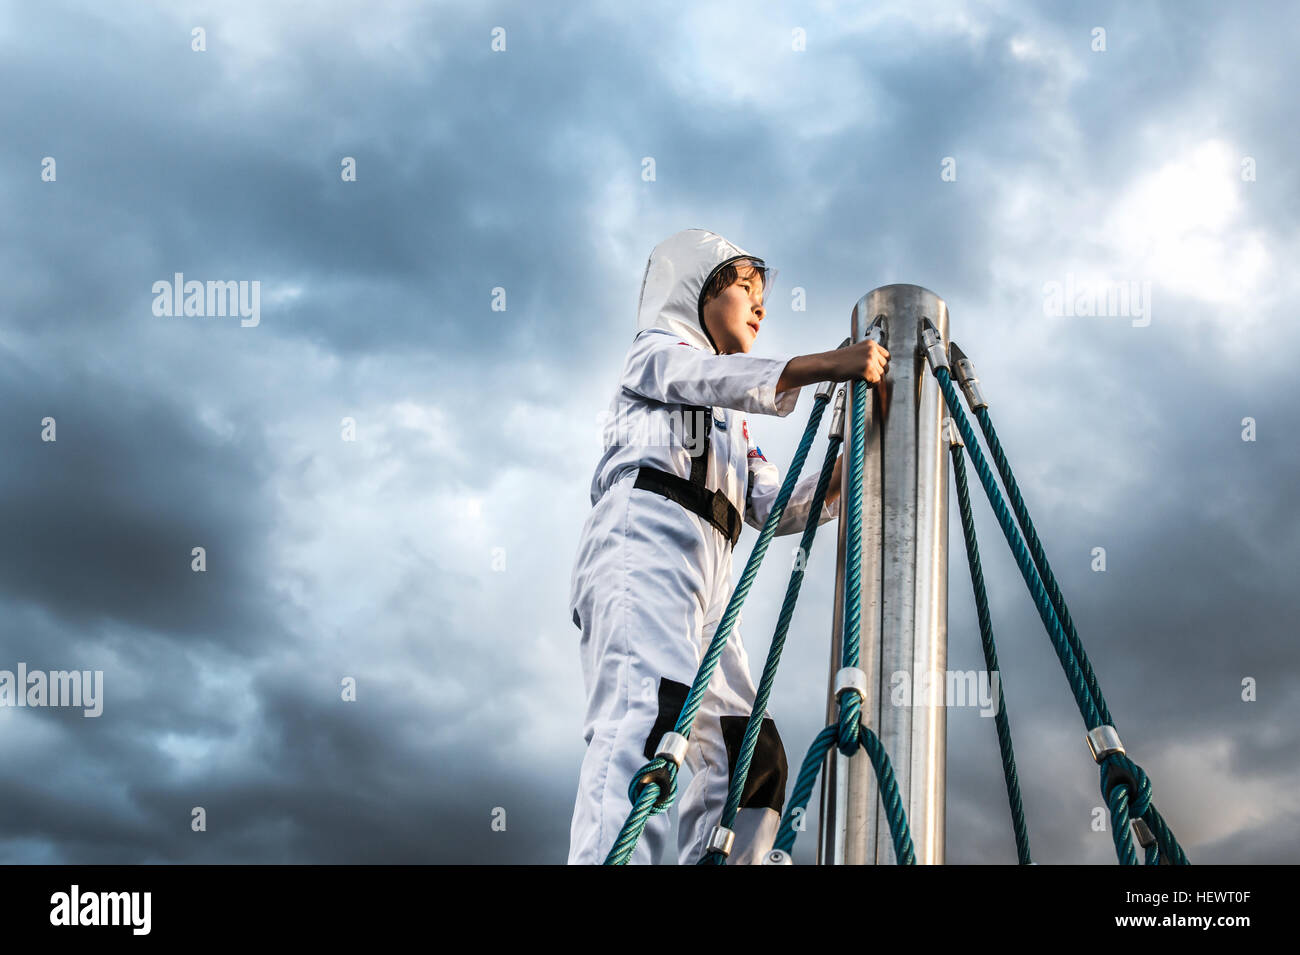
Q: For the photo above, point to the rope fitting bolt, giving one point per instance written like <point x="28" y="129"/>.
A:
<point x="1104" y="741"/>
<point x="777" y="857"/>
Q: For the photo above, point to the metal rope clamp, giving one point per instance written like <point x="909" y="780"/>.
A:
<point x="953" y="433"/>
<point x="875" y="331"/>
<point x="672" y="747"/>
<point x="1145" y="837"/>
<point x="1103" y="741"/>
<point x="851" y="678"/>
<point x="963" y="371"/>
<point x="837" y="416"/>
<point x="721" y="839"/>
<point x="932" y="344"/>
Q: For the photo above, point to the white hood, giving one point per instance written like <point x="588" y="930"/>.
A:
<point x="676" y="274"/>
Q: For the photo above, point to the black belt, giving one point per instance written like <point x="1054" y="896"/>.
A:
<point x="692" y="494"/>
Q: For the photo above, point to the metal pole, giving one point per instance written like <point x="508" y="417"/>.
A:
<point x="904" y="598"/>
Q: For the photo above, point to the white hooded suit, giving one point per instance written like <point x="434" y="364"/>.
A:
<point x="653" y="572"/>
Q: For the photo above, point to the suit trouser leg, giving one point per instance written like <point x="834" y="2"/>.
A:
<point x="641" y="593"/>
<point x="717" y="738"/>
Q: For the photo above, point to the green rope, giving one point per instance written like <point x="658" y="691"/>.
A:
<point x="659" y="776"/>
<point x="1124" y="784"/>
<point x="1089" y="700"/>
<point x="1119" y="825"/>
<point x="849" y="733"/>
<point x="1082" y="694"/>
<point x="991" y="658"/>
<point x="755" y="724"/>
<point x="1040" y="560"/>
<point x="851" y="639"/>
<point x="904" y="852"/>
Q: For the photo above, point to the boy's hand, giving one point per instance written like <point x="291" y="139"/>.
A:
<point x="867" y="359"/>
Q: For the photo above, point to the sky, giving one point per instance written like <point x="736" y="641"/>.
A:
<point x="387" y="464"/>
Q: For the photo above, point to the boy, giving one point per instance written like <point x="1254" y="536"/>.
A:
<point x="653" y="571"/>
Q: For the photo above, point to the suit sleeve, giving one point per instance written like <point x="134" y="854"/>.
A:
<point x="765" y="484"/>
<point x="661" y="368"/>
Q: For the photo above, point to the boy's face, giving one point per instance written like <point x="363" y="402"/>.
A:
<point x="733" y="317"/>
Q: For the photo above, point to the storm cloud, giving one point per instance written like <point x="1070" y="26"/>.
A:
<point x="984" y="151"/>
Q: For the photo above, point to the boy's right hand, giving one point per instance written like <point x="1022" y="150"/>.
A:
<point x="865" y="359"/>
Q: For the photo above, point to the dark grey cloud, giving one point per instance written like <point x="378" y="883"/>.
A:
<point x="102" y="521"/>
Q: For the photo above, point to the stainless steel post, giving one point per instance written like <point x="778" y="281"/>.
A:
<point x="904" y="595"/>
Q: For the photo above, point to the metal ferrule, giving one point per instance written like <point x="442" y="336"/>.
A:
<point x="851" y="678"/>
<point x="1103" y="741"/>
<point x="777" y="857"/>
<point x="837" y="416"/>
<point x="721" y="840"/>
<point x="953" y="433"/>
<point x="963" y="372"/>
<point x="672" y="747"/>
<point x="1146" y="838"/>
<point x="932" y="342"/>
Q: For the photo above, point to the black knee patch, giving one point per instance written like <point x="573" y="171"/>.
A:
<point x="765" y="785"/>
<point x="672" y="697"/>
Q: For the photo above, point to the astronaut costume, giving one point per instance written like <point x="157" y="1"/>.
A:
<point x="653" y="572"/>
